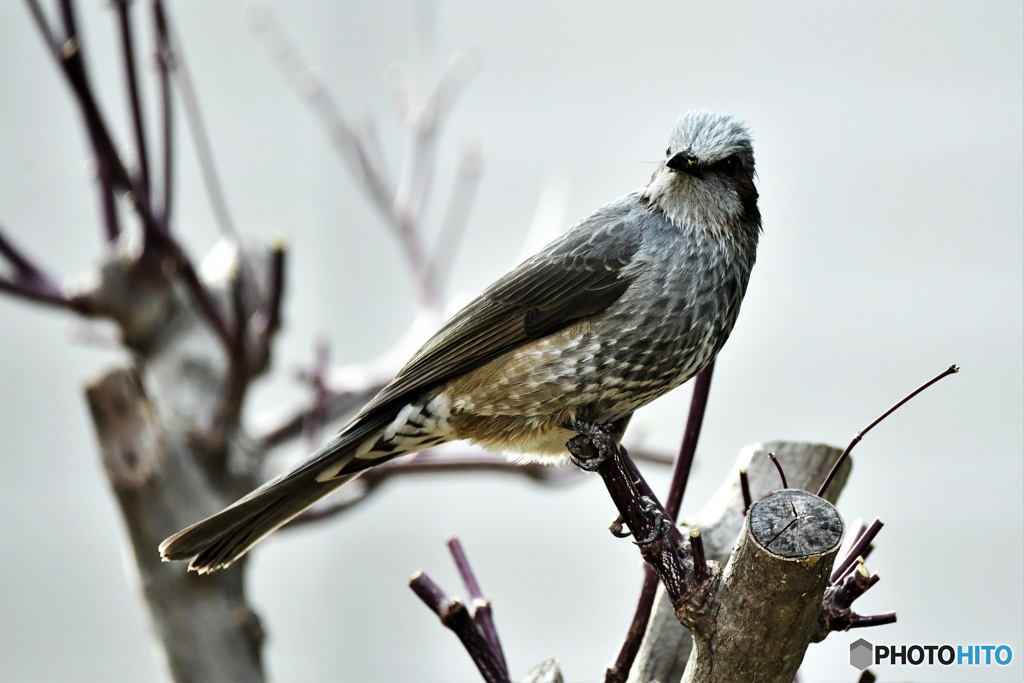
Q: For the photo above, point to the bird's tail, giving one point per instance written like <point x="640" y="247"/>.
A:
<point x="217" y="541"/>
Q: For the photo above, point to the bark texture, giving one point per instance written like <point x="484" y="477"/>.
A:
<point x="770" y="597"/>
<point x="666" y="647"/>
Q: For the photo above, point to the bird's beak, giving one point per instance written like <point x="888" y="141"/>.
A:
<point x="685" y="163"/>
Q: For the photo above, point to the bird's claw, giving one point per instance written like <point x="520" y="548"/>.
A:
<point x="592" y="444"/>
<point x="661" y="524"/>
<point x="618" y="529"/>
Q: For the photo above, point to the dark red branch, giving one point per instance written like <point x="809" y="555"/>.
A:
<point x="456" y="617"/>
<point x="856" y="550"/>
<point x="271" y="312"/>
<point x="857" y="621"/>
<point x="132" y="79"/>
<point x="952" y="369"/>
<point x="619" y="671"/>
<point x="694" y="422"/>
<point x="24" y="267"/>
<point x="29" y="282"/>
<point x="333" y="406"/>
<point x="482" y="614"/>
<point x="632" y="497"/>
<point x="745" y="490"/>
<point x="778" y="466"/>
<point x="201" y="296"/>
<point x="69" y="56"/>
<point x="73" y="66"/>
<point x="854" y="586"/>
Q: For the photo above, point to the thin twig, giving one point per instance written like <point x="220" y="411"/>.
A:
<point x="694" y="422"/>
<point x="778" y="466"/>
<point x="69" y="58"/>
<point x="310" y="88"/>
<point x="201" y="296"/>
<point x="29" y="282"/>
<point x="619" y="671"/>
<point x="201" y="139"/>
<point x="238" y="376"/>
<point x="43" y="24"/>
<point x="482" y="613"/>
<point x="316" y="416"/>
<point x="455" y="617"/>
<point x="854" y="586"/>
<point x="433" y="463"/>
<point x="857" y="621"/>
<point x="700" y="562"/>
<point x="952" y="369"/>
<point x="456" y="217"/>
<point x="132" y="79"/>
<point x="165" y="63"/>
<point x="271" y="312"/>
<point x="72" y="64"/>
<point x="745" y="490"/>
<point x="22" y="264"/>
<point x="332" y="406"/>
<point x="856" y="550"/>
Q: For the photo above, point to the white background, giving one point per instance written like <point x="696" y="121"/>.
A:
<point x="889" y="148"/>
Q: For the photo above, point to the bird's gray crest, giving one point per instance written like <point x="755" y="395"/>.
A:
<point x="711" y="136"/>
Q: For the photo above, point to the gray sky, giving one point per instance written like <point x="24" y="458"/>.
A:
<point x="889" y="148"/>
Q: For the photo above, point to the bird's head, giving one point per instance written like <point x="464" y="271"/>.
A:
<point x="707" y="178"/>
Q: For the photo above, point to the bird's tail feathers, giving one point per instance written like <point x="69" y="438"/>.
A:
<point x="217" y="541"/>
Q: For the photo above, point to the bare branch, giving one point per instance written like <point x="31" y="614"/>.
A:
<point x="856" y="550"/>
<point x="271" y="309"/>
<point x="165" y="63"/>
<point x="619" y="671"/>
<point x="200" y="138"/>
<point x="745" y="489"/>
<point x="694" y="421"/>
<point x="43" y="24"/>
<point x="455" y="617"/>
<point x="481" y="606"/>
<point x="456" y="218"/>
<point x="132" y="81"/>
<point x="594" y="448"/>
<point x="30" y="282"/>
<point x="857" y="621"/>
<point x="310" y="88"/>
<point x="431" y="462"/>
<point x="952" y="369"/>
<point x="778" y="466"/>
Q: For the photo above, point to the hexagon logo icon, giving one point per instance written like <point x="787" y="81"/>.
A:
<point x="861" y="654"/>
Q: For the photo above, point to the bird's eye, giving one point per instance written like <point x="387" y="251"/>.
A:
<point x="729" y="165"/>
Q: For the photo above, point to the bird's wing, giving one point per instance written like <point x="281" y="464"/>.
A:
<point x="578" y="275"/>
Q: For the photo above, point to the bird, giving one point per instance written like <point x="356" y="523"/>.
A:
<point x="626" y="305"/>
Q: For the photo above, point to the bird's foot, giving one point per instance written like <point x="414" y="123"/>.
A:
<point x="592" y="445"/>
<point x="661" y="524"/>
